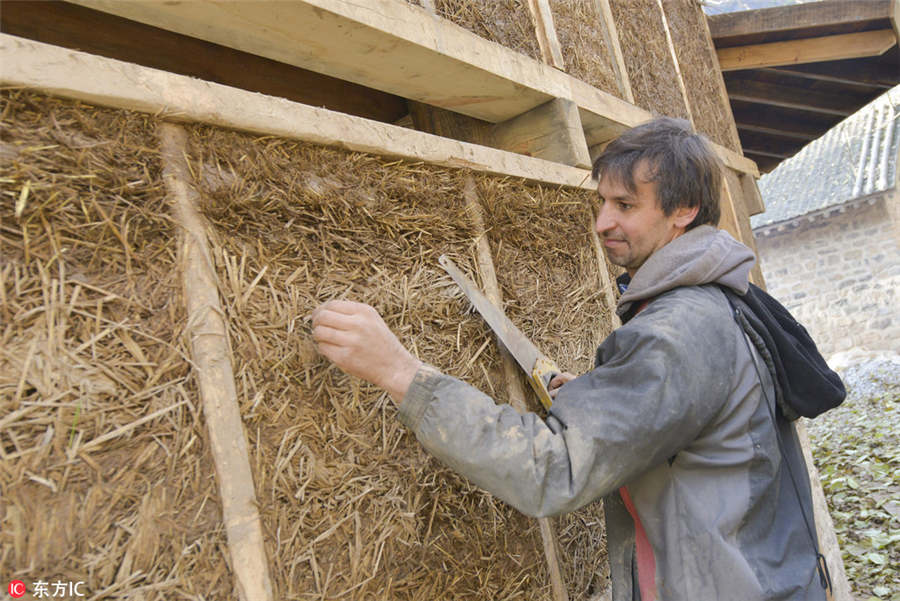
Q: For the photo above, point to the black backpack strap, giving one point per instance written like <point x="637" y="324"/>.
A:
<point x="748" y="334"/>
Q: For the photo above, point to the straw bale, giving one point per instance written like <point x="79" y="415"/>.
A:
<point x="548" y="274"/>
<point x="506" y="22"/>
<point x="103" y="464"/>
<point x="701" y="74"/>
<point x="648" y="60"/>
<point x="352" y="506"/>
<point x="581" y="37"/>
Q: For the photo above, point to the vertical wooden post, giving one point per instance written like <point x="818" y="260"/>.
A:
<point x="212" y="363"/>
<point x="674" y="55"/>
<point x="546" y="33"/>
<point x="611" y="38"/>
<point x="514" y="388"/>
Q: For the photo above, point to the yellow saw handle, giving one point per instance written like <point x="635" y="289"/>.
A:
<point x="543" y="371"/>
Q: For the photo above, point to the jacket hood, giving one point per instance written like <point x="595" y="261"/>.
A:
<point x="702" y="255"/>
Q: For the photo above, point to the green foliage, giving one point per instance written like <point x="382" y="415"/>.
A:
<point x="857" y="452"/>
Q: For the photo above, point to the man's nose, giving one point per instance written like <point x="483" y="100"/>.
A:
<point x="605" y="221"/>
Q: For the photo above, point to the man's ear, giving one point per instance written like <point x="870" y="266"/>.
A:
<point x="685" y="215"/>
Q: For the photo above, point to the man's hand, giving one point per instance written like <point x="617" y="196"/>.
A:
<point x="557" y="382"/>
<point x="356" y="339"/>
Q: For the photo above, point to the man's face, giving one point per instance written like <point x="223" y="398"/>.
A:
<point x="632" y="226"/>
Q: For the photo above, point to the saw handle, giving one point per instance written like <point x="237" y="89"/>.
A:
<point x="543" y="371"/>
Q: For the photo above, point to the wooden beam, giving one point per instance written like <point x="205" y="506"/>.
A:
<point x="93" y="31"/>
<point x="772" y="94"/>
<point x="108" y="82"/>
<point x="876" y="74"/>
<point x="735" y="193"/>
<point x="211" y="360"/>
<point x="545" y="31"/>
<point x="447" y="124"/>
<point x="552" y="131"/>
<point x="766" y="164"/>
<point x="810" y="50"/>
<point x="723" y="92"/>
<point x="674" y="56"/>
<point x="394" y="47"/>
<point x="383" y="44"/>
<point x="752" y="198"/>
<point x="611" y="39"/>
<point x="827" y="13"/>
<point x="747" y="127"/>
<point x="780" y="121"/>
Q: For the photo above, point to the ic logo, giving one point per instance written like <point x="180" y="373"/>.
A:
<point x="16" y="589"/>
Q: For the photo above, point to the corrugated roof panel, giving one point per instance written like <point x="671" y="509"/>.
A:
<point x="856" y="157"/>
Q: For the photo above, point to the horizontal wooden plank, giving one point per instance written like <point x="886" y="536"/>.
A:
<point x="826" y="13"/>
<point x="108" y="82"/>
<point x="780" y="121"/>
<point x="811" y="50"/>
<point x="80" y="28"/>
<point x="878" y="73"/>
<point x="383" y="44"/>
<point x="841" y="103"/>
<point x="398" y="48"/>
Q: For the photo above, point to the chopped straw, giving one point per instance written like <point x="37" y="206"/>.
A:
<point x="351" y="506"/>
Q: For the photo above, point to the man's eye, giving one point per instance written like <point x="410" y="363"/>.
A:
<point x="624" y="206"/>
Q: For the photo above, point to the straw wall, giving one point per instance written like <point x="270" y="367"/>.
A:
<point x="700" y="71"/>
<point x="507" y="22"/>
<point x="351" y="506"/>
<point x="90" y="319"/>
<point x="648" y="60"/>
<point x="579" y="29"/>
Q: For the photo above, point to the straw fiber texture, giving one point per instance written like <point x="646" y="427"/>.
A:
<point x="104" y="463"/>
<point x="104" y="468"/>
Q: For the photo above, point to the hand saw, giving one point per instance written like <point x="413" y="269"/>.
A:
<point x="539" y="368"/>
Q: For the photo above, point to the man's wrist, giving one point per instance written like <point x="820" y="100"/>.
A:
<point x="399" y="381"/>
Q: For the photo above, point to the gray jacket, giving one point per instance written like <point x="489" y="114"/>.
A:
<point x="674" y="413"/>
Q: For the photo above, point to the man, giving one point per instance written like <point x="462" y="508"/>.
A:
<point x="670" y="428"/>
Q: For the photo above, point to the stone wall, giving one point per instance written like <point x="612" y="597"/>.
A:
<point x="840" y="275"/>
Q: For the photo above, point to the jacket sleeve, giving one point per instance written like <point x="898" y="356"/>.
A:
<point x="660" y="380"/>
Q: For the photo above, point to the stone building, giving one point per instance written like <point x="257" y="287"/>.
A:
<point x="829" y="241"/>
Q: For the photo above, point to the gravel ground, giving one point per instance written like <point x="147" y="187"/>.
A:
<point x="857" y="452"/>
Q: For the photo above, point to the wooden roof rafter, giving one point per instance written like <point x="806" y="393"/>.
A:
<point x="809" y="61"/>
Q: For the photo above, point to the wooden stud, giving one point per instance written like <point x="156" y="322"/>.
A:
<point x="546" y="33"/>
<point x="212" y="364"/>
<point x="611" y="39"/>
<point x="675" y="63"/>
<point x="515" y="390"/>
<point x="734" y="194"/>
<point x="720" y="86"/>
<point x="828" y="542"/>
<point x="552" y="131"/>
<point x="810" y="50"/>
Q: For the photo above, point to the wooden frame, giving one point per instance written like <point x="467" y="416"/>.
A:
<point x="809" y="50"/>
<point x="418" y="57"/>
<point x="109" y="82"/>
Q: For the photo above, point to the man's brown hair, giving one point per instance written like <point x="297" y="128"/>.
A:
<point x="686" y="170"/>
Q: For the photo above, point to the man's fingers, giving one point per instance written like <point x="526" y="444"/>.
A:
<point x="341" y="306"/>
<point x="334" y="319"/>
<point x="323" y="334"/>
